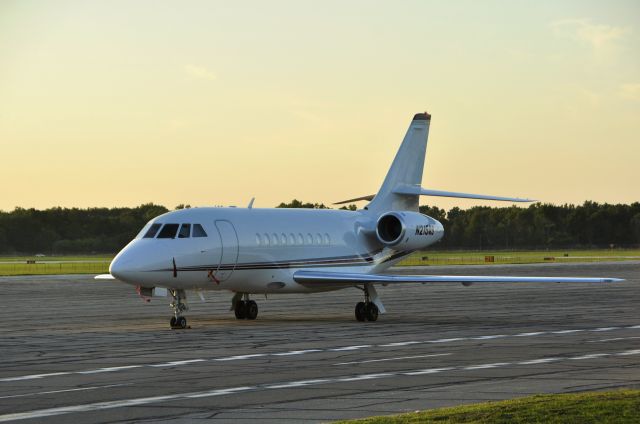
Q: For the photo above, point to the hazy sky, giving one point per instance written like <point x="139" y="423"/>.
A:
<point x="118" y="103"/>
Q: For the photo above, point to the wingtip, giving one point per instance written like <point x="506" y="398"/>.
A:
<point x="424" y="116"/>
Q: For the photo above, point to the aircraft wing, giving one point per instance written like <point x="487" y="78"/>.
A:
<point x="332" y="278"/>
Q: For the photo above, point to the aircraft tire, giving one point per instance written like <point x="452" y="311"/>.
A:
<point x="372" y="312"/>
<point x="172" y="322"/>
<point x="251" y="310"/>
<point x="241" y="309"/>
<point x="361" y="311"/>
<point x="181" y="322"/>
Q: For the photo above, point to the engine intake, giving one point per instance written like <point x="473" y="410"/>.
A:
<point x="407" y="230"/>
<point x="390" y="229"/>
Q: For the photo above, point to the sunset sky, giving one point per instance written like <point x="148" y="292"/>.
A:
<point x="118" y="103"/>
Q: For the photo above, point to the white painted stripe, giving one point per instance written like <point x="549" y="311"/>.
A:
<point x="296" y="384"/>
<point x="606" y="329"/>
<point x="177" y="363"/>
<point x="110" y="369"/>
<point x="539" y="361"/>
<point x="537" y="333"/>
<point x="399" y="344"/>
<point x="240" y="357"/>
<point x="634" y="326"/>
<point x="485" y="366"/>
<point x="629" y="352"/>
<point x="51" y="392"/>
<point x="297" y="352"/>
<point x="495" y="336"/>
<point x="220" y="392"/>
<point x="429" y="371"/>
<point x="230" y="390"/>
<point x="566" y="331"/>
<point x="342" y="349"/>
<point x="366" y="377"/>
<point x="590" y="356"/>
<point x="393" y="359"/>
<point x="455" y="339"/>
<point x="34" y="376"/>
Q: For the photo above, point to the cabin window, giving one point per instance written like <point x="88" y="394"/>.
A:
<point x="300" y="239"/>
<point x="185" y="231"/>
<point x="153" y="230"/>
<point x="275" y="239"/>
<point x="258" y="241"/>
<point x="309" y="238"/>
<point x="292" y="239"/>
<point x="168" y="231"/>
<point x="198" y="231"/>
<point x="318" y="238"/>
<point x="267" y="241"/>
<point x="283" y="238"/>
<point x="327" y="240"/>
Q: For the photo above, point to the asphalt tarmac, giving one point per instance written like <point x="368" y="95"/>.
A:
<point x="76" y="349"/>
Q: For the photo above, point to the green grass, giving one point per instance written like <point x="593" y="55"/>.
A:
<point x="54" y="265"/>
<point x="519" y="257"/>
<point x="620" y="407"/>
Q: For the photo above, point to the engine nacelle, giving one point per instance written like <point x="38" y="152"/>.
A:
<point x="408" y="230"/>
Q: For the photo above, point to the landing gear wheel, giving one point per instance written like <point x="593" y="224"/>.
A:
<point x="371" y="312"/>
<point x="181" y="322"/>
<point x="361" y="313"/>
<point x="178" y="322"/>
<point x="241" y="309"/>
<point x="251" y="310"/>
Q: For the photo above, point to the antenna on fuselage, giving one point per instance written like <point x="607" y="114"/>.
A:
<point x="250" y="206"/>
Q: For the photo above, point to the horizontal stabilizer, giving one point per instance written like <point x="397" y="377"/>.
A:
<point x="357" y="199"/>
<point x="426" y="192"/>
<point x="328" y="278"/>
<point x="104" y="277"/>
<point x="419" y="191"/>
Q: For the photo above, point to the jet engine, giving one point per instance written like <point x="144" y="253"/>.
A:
<point x="407" y="230"/>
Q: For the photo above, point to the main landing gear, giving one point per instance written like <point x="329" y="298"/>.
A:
<point x="243" y="307"/>
<point x="368" y="310"/>
<point x="179" y="306"/>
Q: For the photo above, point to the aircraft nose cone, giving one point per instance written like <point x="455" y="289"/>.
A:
<point x="120" y="267"/>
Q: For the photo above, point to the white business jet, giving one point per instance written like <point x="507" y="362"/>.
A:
<point x="250" y="250"/>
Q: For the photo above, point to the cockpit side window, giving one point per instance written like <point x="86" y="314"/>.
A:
<point x="168" y="231"/>
<point x="151" y="232"/>
<point x="198" y="231"/>
<point x="185" y="230"/>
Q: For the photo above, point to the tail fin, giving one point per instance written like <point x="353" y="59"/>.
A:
<point x="406" y="169"/>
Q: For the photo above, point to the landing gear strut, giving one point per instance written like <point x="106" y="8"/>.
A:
<point x="368" y="310"/>
<point x="179" y="306"/>
<point x="243" y="307"/>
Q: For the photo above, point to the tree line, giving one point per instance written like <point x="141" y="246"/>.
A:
<point x="539" y="226"/>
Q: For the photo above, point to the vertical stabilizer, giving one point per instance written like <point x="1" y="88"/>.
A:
<point x="406" y="169"/>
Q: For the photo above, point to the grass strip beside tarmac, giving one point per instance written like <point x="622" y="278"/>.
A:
<point x="493" y="257"/>
<point x="619" y="406"/>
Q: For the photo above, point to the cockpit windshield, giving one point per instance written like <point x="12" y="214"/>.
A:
<point x="170" y="231"/>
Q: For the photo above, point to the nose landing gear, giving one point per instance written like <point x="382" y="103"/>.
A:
<point x="178" y="306"/>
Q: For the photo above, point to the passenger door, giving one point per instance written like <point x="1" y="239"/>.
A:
<point x="229" y="247"/>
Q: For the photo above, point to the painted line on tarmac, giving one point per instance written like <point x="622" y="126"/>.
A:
<point x="308" y="351"/>
<point x="98" y="406"/>
<point x="393" y="359"/>
<point x="52" y="392"/>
